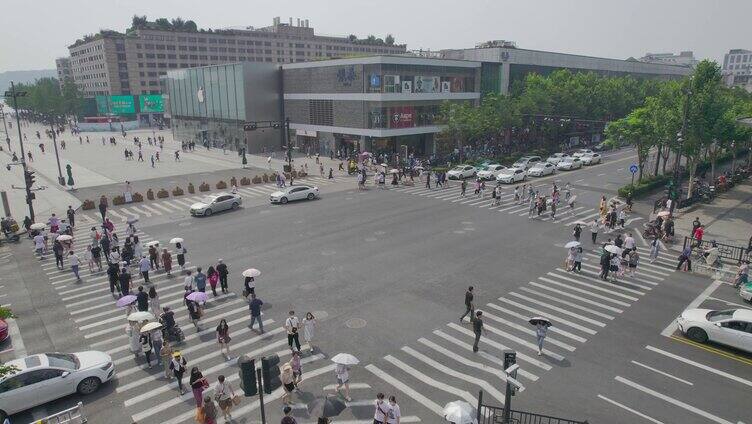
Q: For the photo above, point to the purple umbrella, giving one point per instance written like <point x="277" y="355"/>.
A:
<point x="125" y="301"/>
<point x="197" y="296"/>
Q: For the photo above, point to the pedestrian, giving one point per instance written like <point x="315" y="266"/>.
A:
<point x="577" y="264"/>
<point x="685" y="257"/>
<point x="331" y="173"/>
<point x="696" y="224"/>
<point x="463" y="188"/>
<point x="553" y="209"/>
<point x="342" y="372"/>
<point x="212" y="276"/>
<point x="194" y="311"/>
<point x="224" y="393"/>
<point x="629" y="244"/>
<point x="540" y="335"/>
<point x="297" y="369"/>
<point x="188" y="281"/>
<point x="698" y="233"/>
<point x="200" y="280"/>
<point x="576" y="232"/>
<point x="633" y="259"/>
<point x="655" y="248"/>
<point x="75" y="262"/>
<point x="288" y="382"/>
<point x="167" y="261"/>
<point x="103" y="207"/>
<point x="132" y="331"/>
<point x="381" y="410"/>
<point x="469" y="304"/>
<point x="531" y="207"/>
<point x="71" y="216"/>
<point x="57" y="250"/>
<point x="144" y="266"/>
<point x="146" y="347"/>
<point x="254" y="305"/>
<point x="292" y="324"/>
<point x="222" y="271"/>
<point x="198" y="384"/>
<point x="569" y="261"/>
<point x="395" y="415"/>
<point x="309" y="327"/>
<point x="180" y="251"/>
<point x="621" y="218"/>
<point x="125" y="281"/>
<point x="151" y="159"/>
<point x="594" y="229"/>
<point x="288" y="418"/>
<point x="742" y="274"/>
<point x="113" y="275"/>
<point x="249" y="286"/>
<point x="478" y="329"/>
<point x="178" y="367"/>
<point x="138" y="250"/>
<point x="605" y="263"/>
<point x="153" y="257"/>
<point x="223" y="338"/>
<point x="142" y="299"/>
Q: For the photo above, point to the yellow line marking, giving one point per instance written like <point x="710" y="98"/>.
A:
<point x="713" y="350"/>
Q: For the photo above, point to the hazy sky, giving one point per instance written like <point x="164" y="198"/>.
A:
<point x="34" y="32"/>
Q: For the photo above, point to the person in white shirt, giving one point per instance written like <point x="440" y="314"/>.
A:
<point x="74" y="262"/>
<point x="292" y="324"/>
<point x="594" y="229"/>
<point x="622" y="217"/>
<point x="629" y="244"/>
<point x="39" y="245"/>
<point x="188" y="280"/>
<point x="381" y="410"/>
<point x="394" y="414"/>
<point x="144" y="266"/>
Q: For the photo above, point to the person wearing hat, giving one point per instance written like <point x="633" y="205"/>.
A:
<point x="177" y="366"/>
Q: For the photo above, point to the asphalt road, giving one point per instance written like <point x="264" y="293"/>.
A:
<point x="385" y="272"/>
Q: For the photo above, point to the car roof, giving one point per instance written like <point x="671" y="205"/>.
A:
<point x="30" y="362"/>
<point x="743" y="314"/>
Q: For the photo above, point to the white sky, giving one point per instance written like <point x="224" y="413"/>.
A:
<point x="34" y="32"/>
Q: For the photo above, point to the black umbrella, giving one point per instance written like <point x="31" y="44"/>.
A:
<point x="330" y="406"/>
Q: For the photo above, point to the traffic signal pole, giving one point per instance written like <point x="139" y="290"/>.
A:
<point x="29" y="202"/>
<point x="261" y="395"/>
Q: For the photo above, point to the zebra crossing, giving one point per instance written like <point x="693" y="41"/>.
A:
<point x="182" y="204"/>
<point x="441" y="367"/>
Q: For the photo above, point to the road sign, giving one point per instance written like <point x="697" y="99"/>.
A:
<point x="633" y="168"/>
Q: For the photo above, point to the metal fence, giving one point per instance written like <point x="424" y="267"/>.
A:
<point x="74" y="415"/>
<point x="488" y="414"/>
<point x="725" y="251"/>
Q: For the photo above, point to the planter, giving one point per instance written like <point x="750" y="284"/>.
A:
<point x="118" y="200"/>
<point x="257" y="180"/>
<point x="178" y="191"/>
<point x="162" y="194"/>
<point x="221" y="185"/>
<point x="294" y="173"/>
<point x="138" y="197"/>
<point x="302" y="174"/>
<point x="245" y="181"/>
<point x="191" y="188"/>
<point x="88" y="204"/>
<point x="203" y="187"/>
<point x="150" y="194"/>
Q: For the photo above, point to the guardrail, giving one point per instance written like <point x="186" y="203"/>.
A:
<point x="74" y="415"/>
<point x="725" y="251"/>
<point x="488" y="414"/>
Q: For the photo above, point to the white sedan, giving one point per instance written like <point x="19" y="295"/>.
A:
<point x="461" y="172"/>
<point x="556" y="158"/>
<point x="581" y="152"/>
<point x="591" y="158"/>
<point x="511" y="175"/>
<point x="48" y="376"/>
<point x="730" y="327"/>
<point x="568" y="164"/>
<point x="298" y="192"/>
<point x="216" y="203"/>
<point x="490" y="172"/>
<point x="541" y="168"/>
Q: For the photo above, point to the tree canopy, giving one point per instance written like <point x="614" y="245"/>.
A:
<point x="46" y="97"/>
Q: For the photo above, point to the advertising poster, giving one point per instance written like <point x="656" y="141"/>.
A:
<point x="402" y="117"/>
<point x="151" y="103"/>
<point x="122" y="105"/>
<point x="103" y="104"/>
<point x="425" y="84"/>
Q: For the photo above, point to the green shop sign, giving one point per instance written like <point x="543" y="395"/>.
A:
<point x="122" y="105"/>
<point x="151" y="103"/>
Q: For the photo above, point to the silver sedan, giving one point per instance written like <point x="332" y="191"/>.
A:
<point x="216" y="203"/>
<point x="297" y="192"/>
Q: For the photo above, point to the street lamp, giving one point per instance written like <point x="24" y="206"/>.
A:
<point x="52" y="121"/>
<point x="28" y="178"/>
<point x="5" y="127"/>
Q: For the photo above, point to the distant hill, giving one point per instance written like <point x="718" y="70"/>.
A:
<point x="23" y="77"/>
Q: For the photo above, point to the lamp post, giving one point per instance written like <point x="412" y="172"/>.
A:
<point x="5" y="127"/>
<point x="29" y="195"/>
<point x="60" y="179"/>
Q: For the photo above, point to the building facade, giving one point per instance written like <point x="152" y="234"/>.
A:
<point x="737" y="68"/>
<point x="112" y="63"/>
<point x="210" y="104"/>
<point x="504" y="65"/>
<point x="380" y="104"/>
<point x="62" y="64"/>
<point x="686" y="58"/>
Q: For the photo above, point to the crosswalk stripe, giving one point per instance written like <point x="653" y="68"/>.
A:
<point x="162" y="207"/>
<point x="528" y="330"/>
<point x="526" y="318"/>
<point x="150" y="209"/>
<point x="591" y="286"/>
<point x="246" y="192"/>
<point x="522" y="342"/>
<point x="116" y="215"/>
<point x="456" y="374"/>
<point x="542" y="313"/>
<point x="549" y="306"/>
<point x="498" y="373"/>
<point x="182" y="202"/>
<point x="625" y="280"/>
<point x="579" y="290"/>
<point x="430" y="381"/>
<point x="415" y="395"/>
<point x="563" y="302"/>
<point x="570" y="295"/>
<point x="501" y="347"/>
<point x="493" y="359"/>
<point x="129" y="212"/>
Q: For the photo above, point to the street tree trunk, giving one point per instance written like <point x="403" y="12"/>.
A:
<point x="691" y="165"/>
<point x="657" y="160"/>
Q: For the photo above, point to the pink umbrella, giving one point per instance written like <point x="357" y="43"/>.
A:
<point x="197" y="296"/>
<point x="125" y="301"/>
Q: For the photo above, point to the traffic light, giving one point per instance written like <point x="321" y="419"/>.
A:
<point x="29" y="177"/>
<point x="247" y="375"/>
<point x="510" y="358"/>
<point x="270" y="373"/>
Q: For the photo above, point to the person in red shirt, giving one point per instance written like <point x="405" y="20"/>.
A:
<point x="699" y="233"/>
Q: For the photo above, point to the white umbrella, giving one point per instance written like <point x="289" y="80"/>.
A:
<point x="132" y="220"/>
<point x="176" y="240"/>
<point x="251" y="272"/>
<point x="572" y="199"/>
<point x="572" y="244"/>
<point x="151" y="326"/>
<point x="151" y="243"/>
<point x="613" y="249"/>
<point x="394" y="171"/>
<point x="460" y="412"/>
<point x="345" y="359"/>
<point x="64" y="237"/>
<point x="141" y="316"/>
<point x="664" y="213"/>
<point x="38" y="226"/>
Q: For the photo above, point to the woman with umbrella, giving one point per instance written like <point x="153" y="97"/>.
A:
<point x="132" y="330"/>
<point x="167" y="261"/>
<point x="288" y="382"/>
<point x="577" y="266"/>
<point x="249" y="285"/>
<point x="541" y="329"/>
<point x="343" y="362"/>
<point x="194" y="312"/>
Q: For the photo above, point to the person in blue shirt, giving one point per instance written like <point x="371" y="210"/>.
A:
<point x="255" y="307"/>
<point x="200" y="280"/>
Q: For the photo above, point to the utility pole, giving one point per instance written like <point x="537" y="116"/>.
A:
<point x="5" y="127"/>
<point x="60" y="178"/>
<point x="681" y="137"/>
<point x="29" y="195"/>
<point x="289" y="148"/>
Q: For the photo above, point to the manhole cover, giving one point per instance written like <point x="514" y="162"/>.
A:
<point x="371" y="239"/>
<point x="355" y="323"/>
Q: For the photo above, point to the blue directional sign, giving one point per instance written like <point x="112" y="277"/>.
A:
<point x="633" y="169"/>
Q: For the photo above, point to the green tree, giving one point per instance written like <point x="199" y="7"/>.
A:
<point x="178" y="24"/>
<point x="163" y="24"/>
<point x="139" y="22"/>
<point x="389" y="40"/>
<point x="190" y="26"/>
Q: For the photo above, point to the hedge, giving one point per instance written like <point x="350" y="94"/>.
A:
<point x="645" y="186"/>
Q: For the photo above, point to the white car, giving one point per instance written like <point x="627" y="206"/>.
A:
<point x="591" y="158"/>
<point x="745" y="292"/>
<point x="461" y="172"/>
<point x="216" y="203"/>
<point x="490" y="172"/>
<point x="526" y="162"/>
<point x="298" y="192"/>
<point x="730" y="327"/>
<point x="581" y="152"/>
<point x="556" y="158"/>
<point x="568" y="164"/>
<point x="541" y="168"/>
<point x="511" y="175"/>
<point x="48" y="376"/>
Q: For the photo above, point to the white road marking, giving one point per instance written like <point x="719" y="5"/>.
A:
<point x="673" y="326"/>
<point x="570" y="295"/>
<point x="528" y="330"/>
<point x="626" y="408"/>
<point x="663" y="373"/>
<point x="579" y="290"/>
<point x="699" y="365"/>
<point x="500" y="347"/>
<point x="463" y="394"/>
<point x="564" y="302"/>
<point x="410" y="392"/>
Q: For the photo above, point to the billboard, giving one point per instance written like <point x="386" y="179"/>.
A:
<point x="103" y="104"/>
<point x="150" y="103"/>
<point x="122" y="105"/>
<point x="425" y="84"/>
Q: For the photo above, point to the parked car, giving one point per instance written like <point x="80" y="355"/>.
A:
<point x="556" y="158"/>
<point x="568" y="164"/>
<point x="490" y="172"/>
<point x="541" y="168"/>
<point x="601" y="146"/>
<point x="297" y="192"/>
<point x="511" y="175"/>
<point x="730" y="327"/>
<point x="526" y="162"/>
<point x="591" y="158"/>
<point x="48" y="376"/>
<point x="745" y="292"/>
<point x="579" y="152"/>
<point x="216" y="203"/>
<point x="3" y="330"/>
<point x="460" y="172"/>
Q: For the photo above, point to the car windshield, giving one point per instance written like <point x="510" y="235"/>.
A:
<point x="714" y="316"/>
<point x="63" y="360"/>
<point x="567" y="160"/>
<point x="458" y="168"/>
<point x="208" y="200"/>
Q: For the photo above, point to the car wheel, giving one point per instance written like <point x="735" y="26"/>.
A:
<point x="283" y="200"/>
<point x="697" y="334"/>
<point x="208" y="212"/>
<point x="88" y="385"/>
<point x="311" y="196"/>
<point x="235" y="206"/>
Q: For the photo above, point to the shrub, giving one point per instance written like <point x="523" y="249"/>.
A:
<point x="177" y="191"/>
<point x="644" y="187"/>
<point x="233" y="182"/>
<point x="245" y="181"/>
<point x="118" y="200"/>
<point x="88" y="204"/>
<point x="203" y="187"/>
<point x="150" y="194"/>
<point x="257" y="180"/>
<point x="221" y="185"/>
<point x="162" y="194"/>
<point x="138" y="197"/>
<point x="191" y="188"/>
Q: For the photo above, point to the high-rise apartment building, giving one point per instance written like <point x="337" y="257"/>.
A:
<point x="113" y="63"/>
<point x="737" y="68"/>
